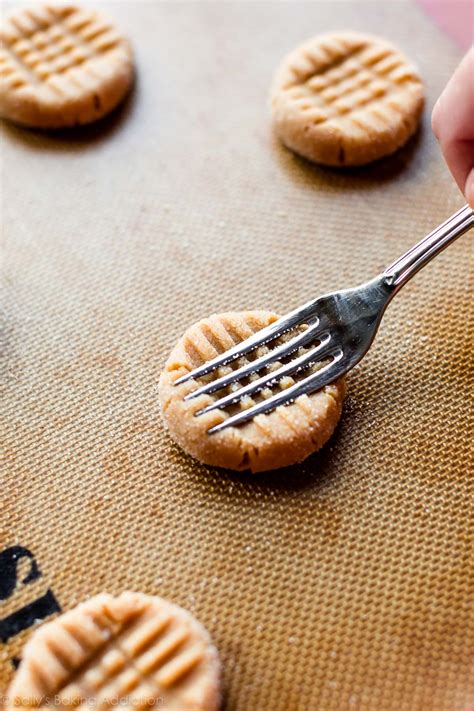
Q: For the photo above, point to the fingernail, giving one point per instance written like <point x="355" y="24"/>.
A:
<point x="469" y="188"/>
<point x="434" y="116"/>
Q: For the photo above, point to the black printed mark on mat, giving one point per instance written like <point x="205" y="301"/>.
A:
<point x="34" y="611"/>
<point x="8" y="562"/>
<point x="28" y="615"/>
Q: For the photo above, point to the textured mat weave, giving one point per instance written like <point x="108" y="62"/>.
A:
<point x="344" y="583"/>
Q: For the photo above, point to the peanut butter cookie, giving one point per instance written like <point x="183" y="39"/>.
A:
<point x="61" y="66"/>
<point x="346" y="99"/>
<point x="287" y="435"/>
<point x="133" y="651"/>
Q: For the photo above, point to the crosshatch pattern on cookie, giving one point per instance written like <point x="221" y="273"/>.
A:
<point x="100" y="655"/>
<point x="41" y="43"/>
<point x="213" y="337"/>
<point x="336" y="79"/>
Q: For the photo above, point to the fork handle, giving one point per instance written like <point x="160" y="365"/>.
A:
<point x="402" y="270"/>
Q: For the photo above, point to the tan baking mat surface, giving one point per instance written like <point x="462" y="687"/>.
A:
<point x="344" y="583"/>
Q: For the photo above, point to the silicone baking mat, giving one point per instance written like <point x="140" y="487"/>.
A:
<point x="343" y="583"/>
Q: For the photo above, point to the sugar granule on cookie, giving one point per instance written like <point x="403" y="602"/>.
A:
<point x="285" y="436"/>
<point x="133" y="651"/>
<point x="345" y="99"/>
<point x="61" y="66"/>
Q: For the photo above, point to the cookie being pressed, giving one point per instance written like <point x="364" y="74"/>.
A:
<point x="287" y="435"/>
<point x="133" y="651"/>
<point x="346" y="99"/>
<point x="61" y="66"/>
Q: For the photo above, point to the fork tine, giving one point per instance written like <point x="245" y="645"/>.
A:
<point x="294" y="318"/>
<point x="321" y="351"/>
<point x="314" y="382"/>
<point x="283" y="350"/>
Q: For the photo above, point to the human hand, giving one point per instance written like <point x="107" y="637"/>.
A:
<point x="453" y="124"/>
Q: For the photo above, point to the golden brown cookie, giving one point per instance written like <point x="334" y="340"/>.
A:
<point x="346" y="99"/>
<point x="133" y="651"/>
<point x="61" y="66"/>
<point x="287" y="435"/>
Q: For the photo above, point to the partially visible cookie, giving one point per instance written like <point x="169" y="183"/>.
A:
<point x="287" y="435"/>
<point x="61" y="66"/>
<point x="133" y="651"/>
<point x="346" y="99"/>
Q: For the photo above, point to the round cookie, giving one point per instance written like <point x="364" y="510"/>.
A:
<point x="287" y="435"/>
<point x="345" y="99"/>
<point x="61" y="66"/>
<point x="133" y="651"/>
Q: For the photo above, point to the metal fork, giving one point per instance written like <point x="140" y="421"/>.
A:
<point x="343" y="323"/>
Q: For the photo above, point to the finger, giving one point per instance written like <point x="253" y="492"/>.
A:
<point x="453" y="123"/>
